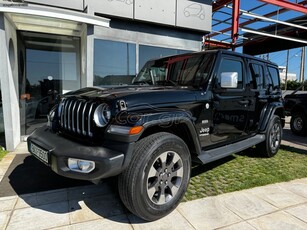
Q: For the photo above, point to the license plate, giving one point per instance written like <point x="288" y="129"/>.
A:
<point x="39" y="153"/>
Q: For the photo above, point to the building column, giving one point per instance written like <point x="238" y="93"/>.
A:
<point x="9" y="90"/>
<point x="90" y="56"/>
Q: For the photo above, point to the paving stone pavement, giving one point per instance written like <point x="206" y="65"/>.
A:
<point x="276" y="206"/>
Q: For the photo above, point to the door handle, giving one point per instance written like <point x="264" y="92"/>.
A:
<point x="263" y="100"/>
<point x="243" y="102"/>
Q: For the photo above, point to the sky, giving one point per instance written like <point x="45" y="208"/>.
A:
<point x="277" y="57"/>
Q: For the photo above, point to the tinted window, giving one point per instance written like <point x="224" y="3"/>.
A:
<point x="150" y="52"/>
<point x="229" y="65"/>
<point x="114" y="62"/>
<point x="274" y="75"/>
<point x="187" y="70"/>
<point x="258" y="76"/>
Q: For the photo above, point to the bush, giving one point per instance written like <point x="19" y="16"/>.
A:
<point x="292" y="85"/>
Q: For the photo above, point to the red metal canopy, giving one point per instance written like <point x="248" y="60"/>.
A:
<point x="268" y="22"/>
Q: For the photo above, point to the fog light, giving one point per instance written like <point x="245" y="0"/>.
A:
<point x="82" y="166"/>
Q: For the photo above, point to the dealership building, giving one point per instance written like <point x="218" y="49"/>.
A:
<point x="50" y="47"/>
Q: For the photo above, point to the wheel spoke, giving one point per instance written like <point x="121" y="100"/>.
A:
<point x="174" y="190"/>
<point x="162" y="198"/>
<point x="152" y="172"/>
<point x="176" y="158"/>
<point x="179" y="172"/>
<point x="163" y="158"/>
<point x="151" y="192"/>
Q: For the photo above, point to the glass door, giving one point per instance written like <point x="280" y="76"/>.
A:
<point x="52" y="67"/>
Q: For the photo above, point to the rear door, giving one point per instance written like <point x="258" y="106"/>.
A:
<point x="258" y="93"/>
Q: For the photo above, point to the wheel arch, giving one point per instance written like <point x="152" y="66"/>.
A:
<point x="183" y="128"/>
<point x="268" y="112"/>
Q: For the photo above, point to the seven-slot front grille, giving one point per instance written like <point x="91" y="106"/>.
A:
<point x="76" y="115"/>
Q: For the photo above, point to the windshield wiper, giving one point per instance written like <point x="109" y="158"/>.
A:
<point x="142" y="83"/>
<point x="165" y="82"/>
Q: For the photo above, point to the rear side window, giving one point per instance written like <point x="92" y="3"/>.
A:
<point x="258" y="76"/>
<point x="274" y="75"/>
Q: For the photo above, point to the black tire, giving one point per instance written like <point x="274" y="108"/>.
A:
<point x="273" y="135"/>
<point x="161" y="164"/>
<point x="298" y="123"/>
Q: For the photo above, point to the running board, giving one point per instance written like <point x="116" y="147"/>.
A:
<point x="221" y="152"/>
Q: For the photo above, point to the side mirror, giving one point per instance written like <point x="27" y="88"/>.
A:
<point x="229" y="80"/>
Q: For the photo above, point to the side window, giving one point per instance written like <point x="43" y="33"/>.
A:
<point x="258" y="76"/>
<point x="274" y="75"/>
<point x="231" y="65"/>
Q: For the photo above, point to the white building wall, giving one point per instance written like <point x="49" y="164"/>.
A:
<point x="9" y="82"/>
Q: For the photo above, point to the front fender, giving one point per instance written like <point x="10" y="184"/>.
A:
<point x="169" y="119"/>
<point x="162" y="120"/>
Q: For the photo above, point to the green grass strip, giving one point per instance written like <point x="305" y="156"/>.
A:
<point x="2" y="153"/>
<point x="246" y="170"/>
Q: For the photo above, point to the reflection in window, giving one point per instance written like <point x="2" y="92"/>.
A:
<point x="114" y="62"/>
<point x="229" y="65"/>
<point x="52" y="67"/>
<point x="258" y="76"/>
<point x="274" y="75"/>
<point x="184" y="70"/>
<point x="150" y="52"/>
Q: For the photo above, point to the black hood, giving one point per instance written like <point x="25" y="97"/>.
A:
<point x="136" y="96"/>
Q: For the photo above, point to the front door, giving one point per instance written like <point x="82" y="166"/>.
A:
<point x="51" y="68"/>
<point x="230" y="105"/>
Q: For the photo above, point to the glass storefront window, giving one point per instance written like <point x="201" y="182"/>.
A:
<point x="114" y="62"/>
<point x="149" y="52"/>
<point x="49" y="66"/>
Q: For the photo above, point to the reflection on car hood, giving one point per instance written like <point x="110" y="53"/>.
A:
<point x="137" y="95"/>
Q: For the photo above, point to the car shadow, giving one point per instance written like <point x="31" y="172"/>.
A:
<point x="293" y="149"/>
<point x="37" y="186"/>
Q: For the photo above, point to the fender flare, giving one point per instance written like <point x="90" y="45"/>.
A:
<point x="267" y="113"/>
<point x="167" y="120"/>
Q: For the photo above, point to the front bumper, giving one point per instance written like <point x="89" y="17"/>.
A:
<point x="107" y="162"/>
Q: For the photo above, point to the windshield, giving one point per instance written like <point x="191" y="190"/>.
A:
<point x="183" y="70"/>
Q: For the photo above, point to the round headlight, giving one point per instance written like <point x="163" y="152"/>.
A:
<point x="102" y="115"/>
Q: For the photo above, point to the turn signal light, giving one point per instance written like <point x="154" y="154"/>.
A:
<point x="135" y="130"/>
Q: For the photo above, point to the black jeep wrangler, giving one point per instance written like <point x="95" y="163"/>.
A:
<point x="192" y="107"/>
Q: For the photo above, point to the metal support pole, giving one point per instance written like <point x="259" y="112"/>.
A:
<point x="287" y="65"/>
<point x="302" y="65"/>
<point x="235" y="22"/>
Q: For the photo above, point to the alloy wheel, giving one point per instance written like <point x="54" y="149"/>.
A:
<point x="164" y="177"/>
